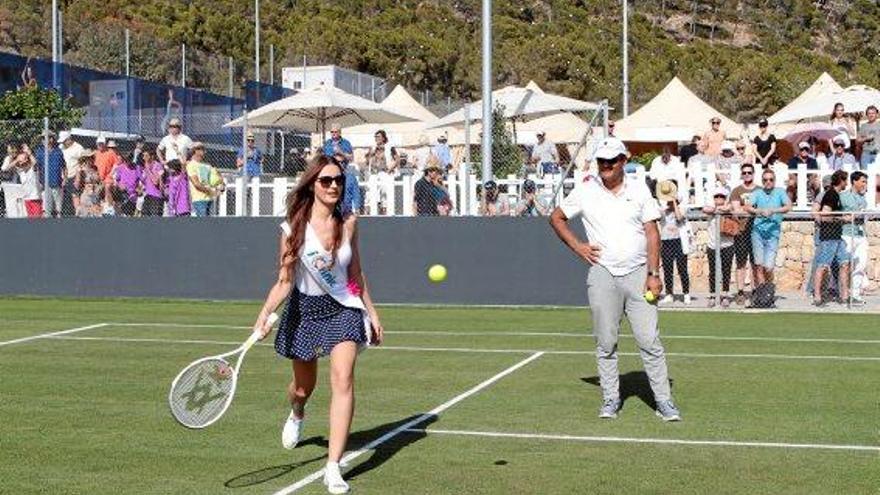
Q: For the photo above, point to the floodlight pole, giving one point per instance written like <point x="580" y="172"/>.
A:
<point x="625" y="42"/>
<point x="487" y="91"/>
<point x="272" y="65"/>
<point x="55" y="43"/>
<point x="127" y="53"/>
<point x="183" y="65"/>
<point x="257" y="39"/>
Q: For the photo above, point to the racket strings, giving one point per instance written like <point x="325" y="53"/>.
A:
<point x="200" y="394"/>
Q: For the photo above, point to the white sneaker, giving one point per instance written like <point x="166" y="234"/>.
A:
<point x="333" y="479"/>
<point x="291" y="432"/>
<point x="687" y="299"/>
<point x="667" y="300"/>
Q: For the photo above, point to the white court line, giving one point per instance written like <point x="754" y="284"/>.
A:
<point x="533" y="334"/>
<point x="719" y="443"/>
<point x="52" y="334"/>
<point x="493" y="351"/>
<point x="409" y="424"/>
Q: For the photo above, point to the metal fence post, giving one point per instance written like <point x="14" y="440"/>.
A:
<point x="46" y="193"/>
<point x="852" y="265"/>
<point x="717" y="259"/>
<point x="244" y="165"/>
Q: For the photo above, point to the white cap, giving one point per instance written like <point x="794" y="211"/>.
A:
<point x="610" y="148"/>
<point x="728" y="146"/>
<point x="840" y="138"/>
<point x="721" y="190"/>
<point x="803" y="144"/>
<point x="101" y="140"/>
<point x="63" y="136"/>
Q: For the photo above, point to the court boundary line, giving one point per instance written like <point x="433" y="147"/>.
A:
<point x="492" y="351"/>
<point x="46" y="335"/>
<point x="662" y="441"/>
<point x="537" y="334"/>
<point x="349" y="457"/>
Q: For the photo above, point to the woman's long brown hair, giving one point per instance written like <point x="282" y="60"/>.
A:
<point x="299" y="211"/>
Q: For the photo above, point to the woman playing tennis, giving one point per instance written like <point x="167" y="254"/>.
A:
<point x="328" y="310"/>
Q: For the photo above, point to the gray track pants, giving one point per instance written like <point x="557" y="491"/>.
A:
<point x="610" y="298"/>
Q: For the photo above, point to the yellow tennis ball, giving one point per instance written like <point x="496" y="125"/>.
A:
<point x="650" y="297"/>
<point x="437" y="273"/>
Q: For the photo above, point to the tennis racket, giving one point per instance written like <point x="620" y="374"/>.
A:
<point x="202" y="392"/>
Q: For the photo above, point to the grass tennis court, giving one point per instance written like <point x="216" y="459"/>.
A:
<point x="772" y="403"/>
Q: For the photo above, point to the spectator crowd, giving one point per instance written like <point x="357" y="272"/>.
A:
<point x="170" y="179"/>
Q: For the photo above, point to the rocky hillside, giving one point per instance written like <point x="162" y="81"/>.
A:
<point x="746" y="57"/>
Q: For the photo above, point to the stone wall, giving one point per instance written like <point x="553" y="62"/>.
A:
<point x="793" y="262"/>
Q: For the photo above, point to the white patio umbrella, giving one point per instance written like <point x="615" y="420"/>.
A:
<point x="313" y="109"/>
<point x="854" y="98"/>
<point x="519" y="104"/>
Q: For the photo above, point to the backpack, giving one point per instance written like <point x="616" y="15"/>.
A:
<point x="764" y="296"/>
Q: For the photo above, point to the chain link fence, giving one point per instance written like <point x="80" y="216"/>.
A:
<point x="736" y="259"/>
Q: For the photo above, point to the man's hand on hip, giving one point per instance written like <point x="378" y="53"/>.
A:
<point x="588" y="252"/>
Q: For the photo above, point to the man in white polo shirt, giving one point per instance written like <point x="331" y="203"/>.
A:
<point x="623" y="249"/>
<point x="175" y="145"/>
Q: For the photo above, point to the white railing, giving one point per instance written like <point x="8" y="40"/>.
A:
<point x="395" y="194"/>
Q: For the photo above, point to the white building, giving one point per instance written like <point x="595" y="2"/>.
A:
<point x="351" y="81"/>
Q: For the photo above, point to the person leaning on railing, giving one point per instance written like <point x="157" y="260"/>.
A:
<point x="722" y="229"/>
<point x="742" y="243"/>
<point x="768" y="204"/>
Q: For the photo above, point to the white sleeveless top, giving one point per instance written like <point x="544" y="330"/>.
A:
<point x="305" y="282"/>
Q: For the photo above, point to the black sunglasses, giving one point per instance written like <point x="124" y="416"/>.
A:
<point x="769" y="179"/>
<point x="606" y="161"/>
<point x="326" y="180"/>
<point x="745" y="172"/>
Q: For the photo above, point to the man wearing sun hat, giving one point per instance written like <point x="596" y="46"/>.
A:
<point x="176" y="145"/>
<point x="840" y="159"/>
<point x="620" y="219"/>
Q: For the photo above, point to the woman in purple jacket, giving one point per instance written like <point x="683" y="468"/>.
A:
<point x="177" y="190"/>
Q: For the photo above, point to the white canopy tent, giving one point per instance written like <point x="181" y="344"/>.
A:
<point x="824" y="85"/>
<point x="676" y="114"/>
<point x="854" y="98"/>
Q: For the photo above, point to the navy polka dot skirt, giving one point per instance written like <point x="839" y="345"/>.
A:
<point x="311" y="326"/>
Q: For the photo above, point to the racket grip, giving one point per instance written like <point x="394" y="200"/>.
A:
<point x="272" y="319"/>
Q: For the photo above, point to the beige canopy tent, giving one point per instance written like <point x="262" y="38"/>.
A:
<point x="823" y="86"/>
<point x="676" y="114"/>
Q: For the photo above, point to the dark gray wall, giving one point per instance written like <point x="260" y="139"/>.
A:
<point x="490" y="261"/>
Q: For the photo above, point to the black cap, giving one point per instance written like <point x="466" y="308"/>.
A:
<point x="529" y="185"/>
<point x="490" y="185"/>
